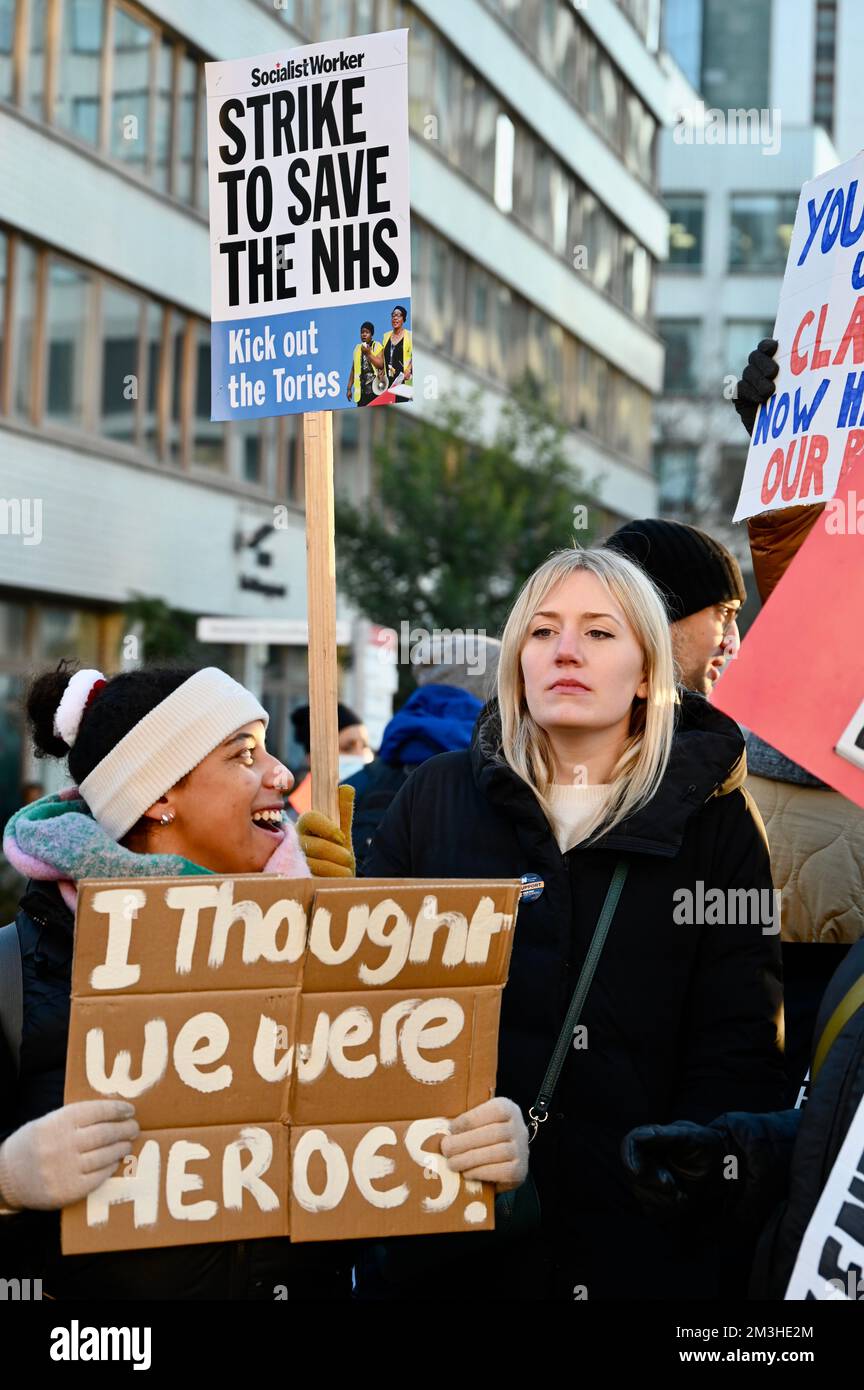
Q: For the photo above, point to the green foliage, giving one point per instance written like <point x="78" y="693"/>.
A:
<point x="459" y="522"/>
<point x="167" y="634"/>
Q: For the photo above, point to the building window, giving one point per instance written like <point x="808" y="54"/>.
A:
<point x="64" y="630"/>
<point x="97" y="356"/>
<point x="760" y="230"/>
<point x="22" y="337"/>
<point x="299" y="14"/>
<point x="682" y="36"/>
<point x="505" y="138"/>
<point x="7" y="47"/>
<point x="506" y="159"/>
<point x="177" y="378"/>
<point x="740" y="337"/>
<point x="4" y="274"/>
<point x="121" y="367"/>
<point x="155" y="124"/>
<point x="637" y="277"/>
<point x="78" y="104"/>
<point x="729" y="476"/>
<point x="68" y="316"/>
<point x="686" y="215"/>
<point x="566" y="49"/>
<point x="150" y="389"/>
<point x="675" y="470"/>
<point x="736" y="40"/>
<point x="682" y="337"/>
<point x="130" y="100"/>
<point x="163" y="133"/>
<point x="252" y="444"/>
<point x="36" y="59"/>
<point x="208" y="437"/>
<point x="825" y="58"/>
<point x="189" y="110"/>
<point x="605" y="98"/>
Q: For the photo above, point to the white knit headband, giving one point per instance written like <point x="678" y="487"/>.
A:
<point x="166" y="744"/>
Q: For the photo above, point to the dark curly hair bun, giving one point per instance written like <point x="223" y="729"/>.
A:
<point x="43" y="697"/>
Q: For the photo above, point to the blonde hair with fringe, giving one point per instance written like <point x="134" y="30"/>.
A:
<point x="525" y="745"/>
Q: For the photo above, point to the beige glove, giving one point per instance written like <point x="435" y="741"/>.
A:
<point x="59" y="1158"/>
<point x="489" y="1143"/>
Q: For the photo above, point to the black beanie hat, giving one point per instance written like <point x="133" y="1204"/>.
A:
<point x="691" y="569"/>
<point x="300" y="720"/>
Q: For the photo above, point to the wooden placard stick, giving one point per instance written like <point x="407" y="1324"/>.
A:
<point x="321" y="609"/>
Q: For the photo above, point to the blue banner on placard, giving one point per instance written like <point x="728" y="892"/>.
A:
<point x="285" y="364"/>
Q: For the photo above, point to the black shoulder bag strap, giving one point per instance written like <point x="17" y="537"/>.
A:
<point x="539" y="1111"/>
<point x="11" y="991"/>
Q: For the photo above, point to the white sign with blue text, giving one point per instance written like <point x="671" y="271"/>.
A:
<point x="812" y="427"/>
<point x="310" y="229"/>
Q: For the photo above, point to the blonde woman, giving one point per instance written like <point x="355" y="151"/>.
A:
<point x="590" y="756"/>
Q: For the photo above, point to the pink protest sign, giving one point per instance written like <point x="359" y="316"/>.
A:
<point x="798" y="680"/>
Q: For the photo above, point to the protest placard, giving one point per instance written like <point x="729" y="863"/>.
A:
<point x="798" y="680"/>
<point x="830" y="1263"/>
<point x="808" y="426"/>
<point x="310" y="230"/>
<point x="311" y="278"/>
<point x="294" y="1050"/>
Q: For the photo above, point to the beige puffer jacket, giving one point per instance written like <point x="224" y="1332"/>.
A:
<point x="817" y="859"/>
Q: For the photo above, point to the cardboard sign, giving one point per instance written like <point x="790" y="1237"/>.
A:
<point x="798" y="679"/>
<point x="815" y="417"/>
<point x="310" y="231"/>
<point x="294" y="1050"/>
<point x="830" y="1263"/>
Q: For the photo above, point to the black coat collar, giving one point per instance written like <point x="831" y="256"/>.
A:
<point x="43" y="903"/>
<point x="707" y="750"/>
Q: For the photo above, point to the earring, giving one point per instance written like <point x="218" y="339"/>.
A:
<point x="166" y="818"/>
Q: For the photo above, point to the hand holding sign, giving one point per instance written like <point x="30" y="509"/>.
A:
<point x="327" y="846"/>
<point x="757" y="382"/>
<point x="60" y="1157"/>
<point x="489" y="1144"/>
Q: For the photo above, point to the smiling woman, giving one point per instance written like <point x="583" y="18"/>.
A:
<point x="173" y="780"/>
<point x="167" y="765"/>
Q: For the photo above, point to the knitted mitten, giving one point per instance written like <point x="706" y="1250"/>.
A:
<point x="327" y="846"/>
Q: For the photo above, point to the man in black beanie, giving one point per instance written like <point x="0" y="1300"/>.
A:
<point x="701" y="585"/>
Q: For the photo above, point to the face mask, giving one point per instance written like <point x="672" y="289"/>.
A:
<point x="349" y="764"/>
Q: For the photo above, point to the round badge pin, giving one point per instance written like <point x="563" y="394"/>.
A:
<point x="532" y="887"/>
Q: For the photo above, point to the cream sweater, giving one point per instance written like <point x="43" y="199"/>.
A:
<point x="573" y="806"/>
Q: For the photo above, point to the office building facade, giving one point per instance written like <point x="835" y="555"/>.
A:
<point x="537" y="227"/>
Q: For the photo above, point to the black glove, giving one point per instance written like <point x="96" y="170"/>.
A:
<point x="684" y="1166"/>
<point x="667" y="1164"/>
<point x="757" y="382"/>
